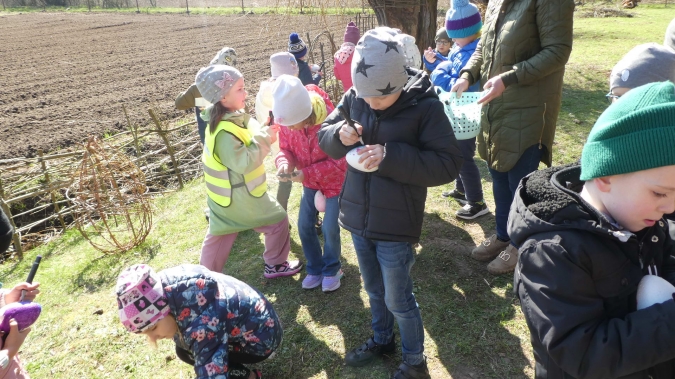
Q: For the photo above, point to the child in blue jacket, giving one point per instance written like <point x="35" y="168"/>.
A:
<point x="463" y="24"/>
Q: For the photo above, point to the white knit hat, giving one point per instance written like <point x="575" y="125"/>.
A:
<point x="291" y="101"/>
<point x="283" y="64"/>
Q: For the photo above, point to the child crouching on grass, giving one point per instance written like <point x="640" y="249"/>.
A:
<point x="235" y="176"/>
<point x="300" y="112"/>
<point x="589" y="233"/>
<point x="411" y="143"/>
<point x="217" y="322"/>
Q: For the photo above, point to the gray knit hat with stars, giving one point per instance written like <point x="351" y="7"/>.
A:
<point x="378" y="66"/>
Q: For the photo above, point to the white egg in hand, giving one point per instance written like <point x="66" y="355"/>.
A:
<point x="652" y="290"/>
<point x="353" y="160"/>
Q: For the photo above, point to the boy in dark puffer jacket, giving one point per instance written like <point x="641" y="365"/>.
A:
<point x="410" y="141"/>
<point x="589" y="233"/>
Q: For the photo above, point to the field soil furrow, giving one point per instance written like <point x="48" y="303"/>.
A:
<point x="66" y="76"/>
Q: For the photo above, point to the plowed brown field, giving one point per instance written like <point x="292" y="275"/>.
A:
<point x="64" y="76"/>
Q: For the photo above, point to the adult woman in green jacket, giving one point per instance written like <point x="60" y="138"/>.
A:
<point x="520" y="61"/>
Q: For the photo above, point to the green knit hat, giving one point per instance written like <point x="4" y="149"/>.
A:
<point x="635" y="133"/>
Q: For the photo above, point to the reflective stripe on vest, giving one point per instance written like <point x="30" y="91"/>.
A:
<point x="216" y="174"/>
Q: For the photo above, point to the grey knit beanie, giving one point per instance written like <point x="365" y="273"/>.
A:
<point x="646" y="63"/>
<point x="669" y="40"/>
<point x="378" y="66"/>
<point x="214" y="82"/>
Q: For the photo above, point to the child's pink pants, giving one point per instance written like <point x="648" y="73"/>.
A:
<point x="216" y="249"/>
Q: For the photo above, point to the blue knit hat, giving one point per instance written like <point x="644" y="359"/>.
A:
<point x="296" y="46"/>
<point x="463" y="19"/>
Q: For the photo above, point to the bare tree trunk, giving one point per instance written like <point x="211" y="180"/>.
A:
<point x="417" y="20"/>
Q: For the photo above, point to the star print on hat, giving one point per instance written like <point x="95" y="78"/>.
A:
<point x="378" y="67"/>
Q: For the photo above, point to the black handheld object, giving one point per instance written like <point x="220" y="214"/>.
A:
<point x="322" y="65"/>
<point x="348" y="119"/>
<point x="33" y="269"/>
<point x="271" y="118"/>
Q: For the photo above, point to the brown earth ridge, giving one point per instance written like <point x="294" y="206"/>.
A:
<point x="64" y="76"/>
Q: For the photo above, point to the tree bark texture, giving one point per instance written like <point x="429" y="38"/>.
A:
<point x="414" y="17"/>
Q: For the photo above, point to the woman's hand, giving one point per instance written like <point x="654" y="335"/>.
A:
<point x="495" y="88"/>
<point x="348" y="135"/>
<point x="430" y="55"/>
<point x="14" y="294"/>
<point x="460" y="86"/>
<point x="297" y="176"/>
<point x="14" y="339"/>
<point x="371" y="156"/>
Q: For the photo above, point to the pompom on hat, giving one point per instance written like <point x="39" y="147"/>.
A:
<point x="226" y="56"/>
<point x="635" y="133"/>
<point x="296" y="46"/>
<point x="283" y="64"/>
<point x="352" y="33"/>
<point x="462" y="19"/>
<point x="140" y="298"/>
<point x="292" y="103"/>
<point x="379" y="64"/>
<point x="643" y="64"/>
<point x="214" y="82"/>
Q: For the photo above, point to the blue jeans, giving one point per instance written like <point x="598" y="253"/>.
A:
<point x="468" y="181"/>
<point x="504" y="185"/>
<point x="201" y="124"/>
<point x="385" y="269"/>
<point x="318" y="263"/>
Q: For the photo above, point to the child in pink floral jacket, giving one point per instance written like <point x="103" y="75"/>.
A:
<point x="300" y="111"/>
<point x="343" y="57"/>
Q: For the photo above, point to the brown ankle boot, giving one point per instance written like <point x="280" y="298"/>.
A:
<point x="489" y="249"/>
<point x="505" y="262"/>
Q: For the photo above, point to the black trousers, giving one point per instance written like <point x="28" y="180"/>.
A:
<point x="6" y="232"/>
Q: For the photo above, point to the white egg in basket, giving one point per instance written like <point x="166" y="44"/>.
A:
<point x="353" y="160"/>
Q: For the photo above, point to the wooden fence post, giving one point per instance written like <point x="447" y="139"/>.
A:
<point x="16" y="237"/>
<point x="169" y="148"/>
<point x="57" y="209"/>
<point x="134" y="132"/>
<point x="309" y="47"/>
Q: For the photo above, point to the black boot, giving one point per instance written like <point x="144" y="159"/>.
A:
<point x="365" y="353"/>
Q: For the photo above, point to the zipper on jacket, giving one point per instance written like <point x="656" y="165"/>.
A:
<point x="543" y="125"/>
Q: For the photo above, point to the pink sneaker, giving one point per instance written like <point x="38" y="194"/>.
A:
<point x="331" y="283"/>
<point x="287" y="268"/>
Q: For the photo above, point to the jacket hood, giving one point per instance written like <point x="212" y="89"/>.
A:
<point x="549" y="200"/>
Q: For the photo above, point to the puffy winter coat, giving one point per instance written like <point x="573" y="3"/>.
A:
<point x="577" y="278"/>
<point x="527" y="43"/>
<point x="217" y="314"/>
<point x="300" y="150"/>
<point x="421" y="151"/>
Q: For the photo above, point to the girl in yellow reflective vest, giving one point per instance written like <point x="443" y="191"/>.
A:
<point x="235" y="147"/>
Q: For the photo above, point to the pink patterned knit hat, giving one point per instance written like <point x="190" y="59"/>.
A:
<point x="140" y="298"/>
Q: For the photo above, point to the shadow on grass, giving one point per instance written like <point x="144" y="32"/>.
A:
<point x="102" y="272"/>
<point x="462" y="312"/>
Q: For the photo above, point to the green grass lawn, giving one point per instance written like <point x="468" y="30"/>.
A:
<point x="474" y="326"/>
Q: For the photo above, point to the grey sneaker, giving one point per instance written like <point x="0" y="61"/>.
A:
<point x="505" y="261"/>
<point x="489" y="249"/>
<point x="472" y="210"/>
